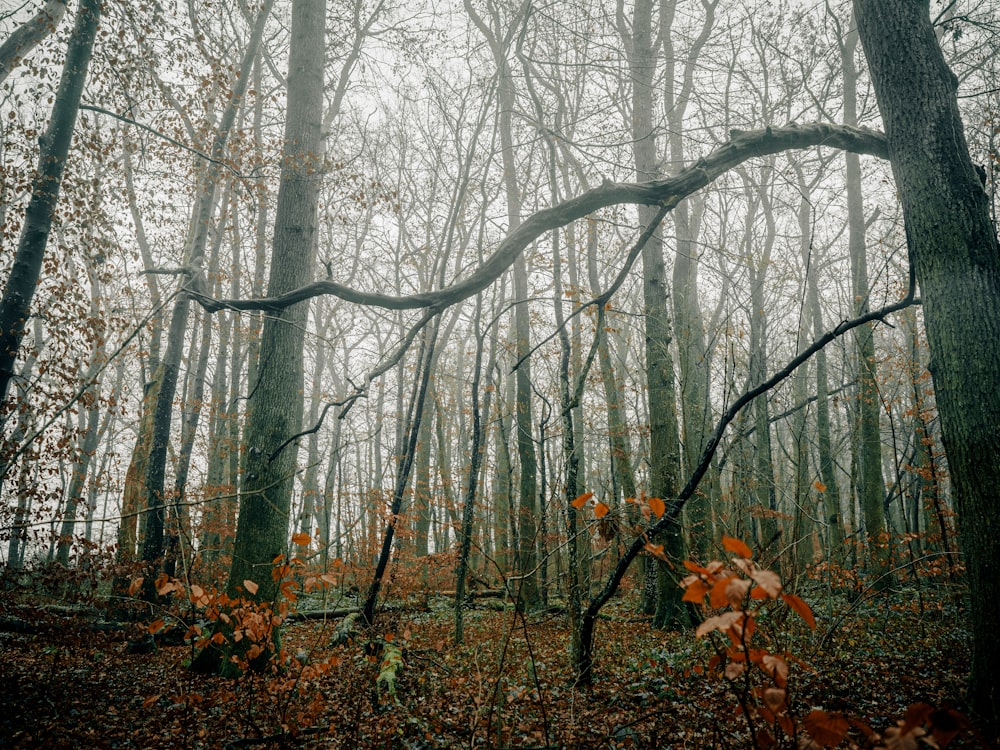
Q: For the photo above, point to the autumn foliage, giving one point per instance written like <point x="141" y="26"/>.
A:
<point x="736" y="597"/>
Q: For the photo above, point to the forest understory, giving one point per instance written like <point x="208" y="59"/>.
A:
<point x="73" y="681"/>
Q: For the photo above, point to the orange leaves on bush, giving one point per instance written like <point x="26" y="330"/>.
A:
<point x="582" y="500"/>
<point x="825" y="729"/>
<point x="737" y="547"/>
<point x="801" y="608"/>
<point x="695" y="591"/>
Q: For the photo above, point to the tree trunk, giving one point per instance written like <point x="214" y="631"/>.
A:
<point x="23" y="280"/>
<point x="28" y="35"/>
<point x="664" y="440"/>
<point x="868" y="439"/>
<point x="955" y="252"/>
<point x="274" y="409"/>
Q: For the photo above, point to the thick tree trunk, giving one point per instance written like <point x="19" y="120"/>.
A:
<point x="274" y="410"/>
<point x="957" y="259"/>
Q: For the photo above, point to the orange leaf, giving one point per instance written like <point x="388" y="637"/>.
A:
<point x="695" y="592"/>
<point x="657" y="506"/>
<point x="134" y="587"/>
<point x="656" y="550"/>
<point x="156" y="627"/>
<point x="218" y="638"/>
<point x="150" y="700"/>
<point x="826" y="730"/>
<point x="250" y="586"/>
<point x="301" y="539"/>
<point x="819" y="486"/>
<point x="601" y="510"/>
<point x="736" y="547"/>
<point x="768" y="580"/>
<point x="582" y="500"/>
<point x="332" y="580"/>
<point x="801" y="608"/>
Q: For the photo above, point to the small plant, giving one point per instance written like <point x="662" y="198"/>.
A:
<point x="736" y="595"/>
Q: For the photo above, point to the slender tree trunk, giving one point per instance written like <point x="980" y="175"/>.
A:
<point x="15" y="304"/>
<point x="152" y="543"/>
<point x="664" y="440"/>
<point x="870" y="487"/>
<point x="955" y="252"/>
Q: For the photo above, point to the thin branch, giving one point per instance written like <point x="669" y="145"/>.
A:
<point x="677" y="505"/>
<point x="167" y="138"/>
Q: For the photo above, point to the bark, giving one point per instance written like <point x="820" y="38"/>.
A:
<point x="26" y="269"/>
<point x="833" y="525"/>
<point x="664" y="440"/>
<point x="403" y="477"/>
<point x="476" y="452"/>
<point x="29" y="35"/>
<point x="527" y="532"/>
<point x="275" y="408"/>
<point x="693" y="355"/>
<point x="954" y="249"/>
<point x="201" y="225"/>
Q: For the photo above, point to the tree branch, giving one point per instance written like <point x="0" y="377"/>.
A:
<point x="674" y="509"/>
<point x="665" y="193"/>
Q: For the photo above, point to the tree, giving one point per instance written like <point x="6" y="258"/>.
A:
<point x="29" y="35"/>
<point x="954" y="251"/>
<point x="275" y="407"/>
<point x="20" y="289"/>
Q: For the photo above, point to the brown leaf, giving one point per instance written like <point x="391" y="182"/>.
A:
<point x="825" y="729"/>
<point x="774" y="698"/>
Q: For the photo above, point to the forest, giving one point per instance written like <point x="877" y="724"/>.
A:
<point x="499" y="374"/>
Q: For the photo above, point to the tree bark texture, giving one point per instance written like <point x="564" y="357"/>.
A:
<point x="955" y="252"/>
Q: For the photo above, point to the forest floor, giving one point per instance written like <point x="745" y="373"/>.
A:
<point x="66" y="684"/>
